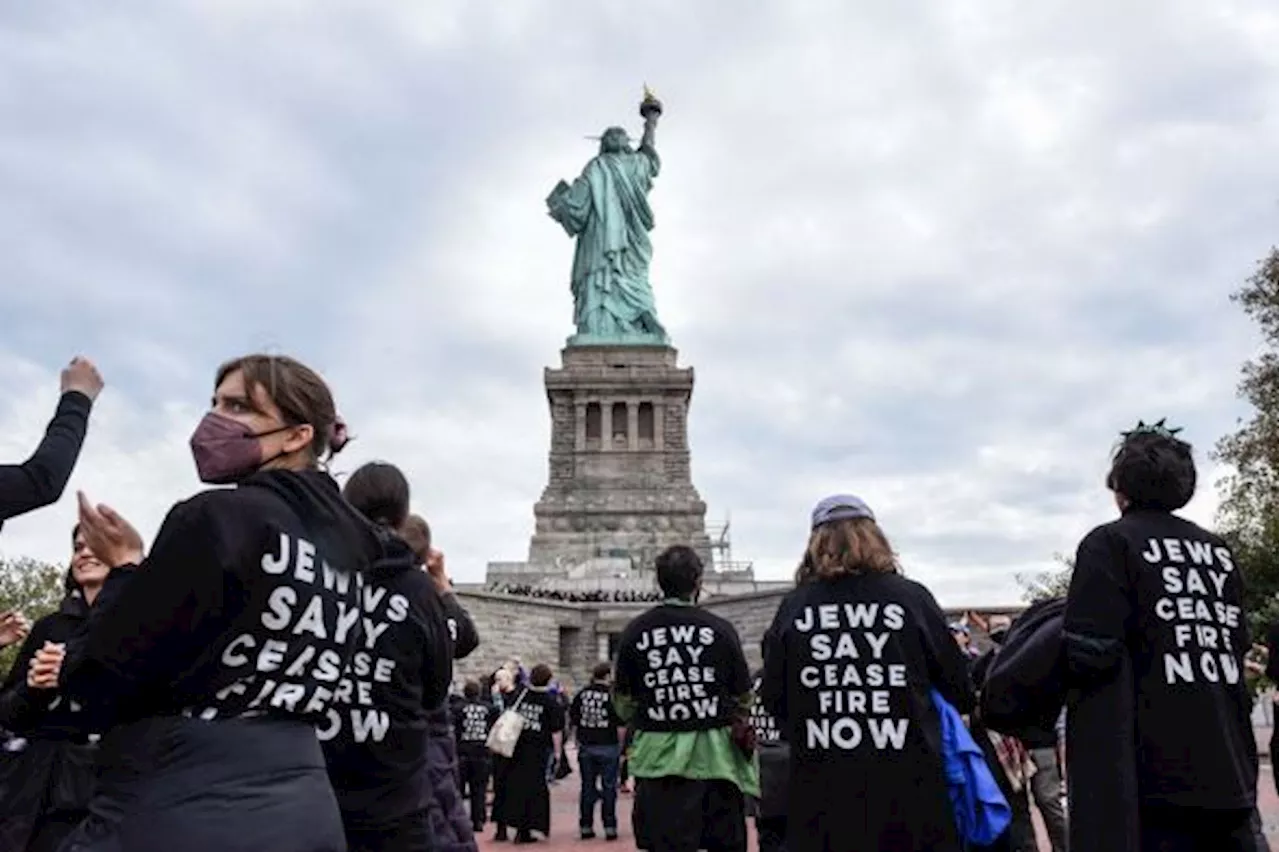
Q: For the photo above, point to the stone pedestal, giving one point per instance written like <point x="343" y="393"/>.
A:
<point x="619" y="484"/>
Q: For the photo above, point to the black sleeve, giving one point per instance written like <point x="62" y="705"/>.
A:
<point x="773" y="681"/>
<point x="739" y="675"/>
<point x="1096" y="621"/>
<point x="41" y="479"/>
<point x="437" y="658"/>
<point x="462" y="630"/>
<point x="575" y="710"/>
<point x="150" y="623"/>
<point x="978" y="671"/>
<point x="947" y="667"/>
<point x="556" y="716"/>
<point x="625" y="679"/>
<point x="19" y="704"/>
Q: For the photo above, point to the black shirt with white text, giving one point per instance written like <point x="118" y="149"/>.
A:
<point x="1168" y="594"/>
<point x="592" y="715"/>
<point x="684" y="668"/>
<point x="849" y="668"/>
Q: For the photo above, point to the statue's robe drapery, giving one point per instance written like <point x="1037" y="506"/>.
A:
<point x="607" y="209"/>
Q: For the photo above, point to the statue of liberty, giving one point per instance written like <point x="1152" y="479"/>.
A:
<point x="607" y="209"/>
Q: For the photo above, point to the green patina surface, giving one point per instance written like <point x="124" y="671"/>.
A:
<point x="607" y="210"/>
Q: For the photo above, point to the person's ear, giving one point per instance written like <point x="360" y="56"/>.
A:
<point x="298" y="438"/>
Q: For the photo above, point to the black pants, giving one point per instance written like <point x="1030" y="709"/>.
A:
<point x="474" y="768"/>
<point x="52" y="828"/>
<point x="410" y="833"/>
<point x="772" y="833"/>
<point x="675" y="814"/>
<point x="1197" y="830"/>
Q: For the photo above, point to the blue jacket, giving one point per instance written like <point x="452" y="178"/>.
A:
<point x="982" y="814"/>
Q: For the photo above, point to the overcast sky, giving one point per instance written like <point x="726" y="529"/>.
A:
<point x="934" y="253"/>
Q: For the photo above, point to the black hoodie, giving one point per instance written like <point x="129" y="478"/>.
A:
<point x="375" y="736"/>
<point x="249" y="604"/>
<point x="212" y="661"/>
<point x="54" y="770"/>
<point x="41" y="479"/>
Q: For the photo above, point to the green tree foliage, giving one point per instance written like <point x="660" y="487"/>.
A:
<point x="1247" y="516"/>
<point x="31" y="586"/>
<point x="1047" y="584"/>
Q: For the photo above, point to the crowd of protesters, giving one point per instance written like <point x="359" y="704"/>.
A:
<point x="273" y="672"/>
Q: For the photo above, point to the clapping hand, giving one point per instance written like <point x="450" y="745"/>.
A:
<point x="111" y="538"/>
<point x="80" y="375"/>
<point x="14" y="627"/>
<point x="45" y="666"/>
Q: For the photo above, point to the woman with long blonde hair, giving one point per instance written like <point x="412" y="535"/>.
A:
<point x="850" y="662"/>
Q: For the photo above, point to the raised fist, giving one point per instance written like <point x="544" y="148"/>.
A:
<point x="80" y="375"/>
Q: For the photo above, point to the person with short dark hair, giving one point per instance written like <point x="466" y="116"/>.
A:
<point x="1156" y="602"/>
<point x="525" y="804"/>
<point x="447" y="810"/>
<point x="376" y="743"/>
<point x="851" y="664"/>
<point x="682" y="682"/>
<point x="471" y="723"/>
<point x="593" y="717"/>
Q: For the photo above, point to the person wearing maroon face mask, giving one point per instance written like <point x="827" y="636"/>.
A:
<point x="209" y="662"/>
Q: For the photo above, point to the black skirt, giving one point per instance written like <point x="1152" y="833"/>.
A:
<point x="522" y="799"/>
<point x="224" y="786"/>
<point x="44" y="792"/>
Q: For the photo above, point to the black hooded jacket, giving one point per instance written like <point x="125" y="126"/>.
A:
<point x="40" y="713"/>
<point x="53" y="769"/>
<point x="375" y="736"/>
<point x="448" y="813"/>
<point x="247" y="605"/>
<point x="41" y="479"/>
<point x="211" y="662"/>
<point x="1023" y="688"/>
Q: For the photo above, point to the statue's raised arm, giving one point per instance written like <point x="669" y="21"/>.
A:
<point x="650" y="109"/>
<point x="607" y="210"/>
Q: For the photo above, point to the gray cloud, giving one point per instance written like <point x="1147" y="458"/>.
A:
<point x="938" y="254"/>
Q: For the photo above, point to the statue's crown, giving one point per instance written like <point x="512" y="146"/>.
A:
<point x="1157" y="428"/>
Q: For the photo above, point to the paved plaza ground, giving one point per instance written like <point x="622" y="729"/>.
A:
<point x="564" y="821"/>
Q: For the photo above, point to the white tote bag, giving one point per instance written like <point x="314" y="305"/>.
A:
<point x="507" y="729"/>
